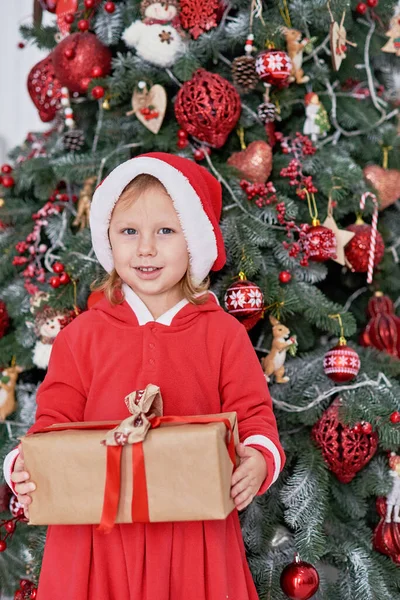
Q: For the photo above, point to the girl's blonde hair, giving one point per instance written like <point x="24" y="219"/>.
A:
<point x="111" y="284"/>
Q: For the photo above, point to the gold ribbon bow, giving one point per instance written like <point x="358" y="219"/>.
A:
<point x="143" y="406"/>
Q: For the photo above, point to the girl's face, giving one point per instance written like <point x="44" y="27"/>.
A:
<point x="149" y="248"/>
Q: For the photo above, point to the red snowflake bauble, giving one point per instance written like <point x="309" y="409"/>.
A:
<point x="89" y="52"/>
<point x="341" y="363"/>
<point x="299" y="580"/>
<point x="45" y="89"/>
<point x="4" y="319"/>
<point x="198" y="16"/>
<point x="245" y="301"/>
<point x="357" y="250"/>
<point x="208" y="107"/>
<point x="274" y="67"/>
<point x="345" y="450"/>
<point x="319" y="243"/>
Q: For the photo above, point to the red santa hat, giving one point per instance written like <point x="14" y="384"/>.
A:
<point x="197" y="199"/>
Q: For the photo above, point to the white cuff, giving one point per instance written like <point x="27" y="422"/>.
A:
<point x="261" y="440"/>
<point x="8" y="465"/>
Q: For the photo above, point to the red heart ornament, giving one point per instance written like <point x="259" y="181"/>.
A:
<point x="255" y="162"/>
<point x="386" y="182"/>
<point x="344" y="450"/>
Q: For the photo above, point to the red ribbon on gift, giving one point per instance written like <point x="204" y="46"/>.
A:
<point x="140" y="503"/>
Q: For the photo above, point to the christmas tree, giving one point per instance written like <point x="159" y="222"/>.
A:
<point x="294" y="107"/>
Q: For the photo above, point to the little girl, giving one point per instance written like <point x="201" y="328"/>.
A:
<point x="154" y="223"/>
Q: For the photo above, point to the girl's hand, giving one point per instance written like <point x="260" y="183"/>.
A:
<point x="22" y="484"/>
<point x="248" y="477"/>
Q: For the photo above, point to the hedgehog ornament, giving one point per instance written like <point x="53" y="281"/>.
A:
<point x="158" y="37"/>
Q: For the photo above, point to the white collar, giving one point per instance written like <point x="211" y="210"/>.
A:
<point x="143" y="314"/>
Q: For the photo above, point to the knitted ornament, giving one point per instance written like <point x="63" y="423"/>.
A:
<point x="245" y="301"/>
<point x="208" y="107"/>
<point x="197" y="199"/>
<point x="345" y="450"/>
<point x="75" y="57"/>
<point x="341" y="363"/>
<point x="274" y="67"/>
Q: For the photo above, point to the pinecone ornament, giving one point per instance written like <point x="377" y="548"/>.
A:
<point x="244" y="73"/>
<point x="73" y="140"/>
<point x="267" y="112"/>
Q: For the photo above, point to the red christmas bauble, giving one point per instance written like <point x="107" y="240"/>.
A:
<point x="83" y="25"/>
<point x="299" y="580"/>
<point x="361" y="8"/>
<point x="208" y="107"/>
<point x="45" y="89"/>
<point x="383" y="329"/>
<point x="6" y="169"/>
<point x="109" y="7"/>
<point x="285" y="276"/>
<point x="319" y="243"/>
<point x="341" y="363"/>
<point x="8" y="181"/>
<point x="245" y="301"/>
<point x="9" y="526"/>
<point x="4" y="319"/>
<point x="274" y="67"/>
<point x="97" y="92"/>
<point x="372" y="3"/>
<point x="3" y="546"/>
<point x="55" y="282"/>
<point x="89" y="53"/>
<point x="395" y="417"/>
<point x="357" y="250"/>
<point x="345" y="450"/>
<point x="97" y="72"/>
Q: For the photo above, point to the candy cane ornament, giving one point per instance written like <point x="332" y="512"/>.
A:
<point x="371" y="258"/>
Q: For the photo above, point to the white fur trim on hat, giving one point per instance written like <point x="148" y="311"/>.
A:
<point x="196" y="226"/>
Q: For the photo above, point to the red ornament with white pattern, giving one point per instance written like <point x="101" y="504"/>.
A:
<point x="45" y="89"/>
<point x="319" y="243"/>
<point x="341" y="363"/>
<point x="274" y="67"/>
<point x="245" y="301"/>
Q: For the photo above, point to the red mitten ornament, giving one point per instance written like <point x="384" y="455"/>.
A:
<point x="75" y="57"/>
<point x="208" y="107"/>
<point x="345" y="450"/>
<point x="45" y="89"/>
<point x="245" y="301"/>
<point x="299" y="580"/>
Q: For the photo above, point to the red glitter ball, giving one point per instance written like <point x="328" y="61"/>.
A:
<point x="319" y="243"/>
<point x="357" y="250"/>
<point x="208" y="107"/>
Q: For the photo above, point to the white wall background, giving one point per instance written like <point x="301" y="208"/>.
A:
<point x="18" y="114"/>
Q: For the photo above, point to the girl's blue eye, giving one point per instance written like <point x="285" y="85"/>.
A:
<point x="129" y="231"/>
<point x="166" y="230"/>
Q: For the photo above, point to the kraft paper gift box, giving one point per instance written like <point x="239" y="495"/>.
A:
<point x="148" y="468"/>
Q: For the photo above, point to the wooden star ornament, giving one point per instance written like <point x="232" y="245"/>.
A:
<point x="342" y="238"/>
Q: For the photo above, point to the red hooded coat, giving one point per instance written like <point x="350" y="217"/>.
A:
<point x="203" y="361"/>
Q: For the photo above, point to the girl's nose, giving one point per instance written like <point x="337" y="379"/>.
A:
<point x="146" y="246"/>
